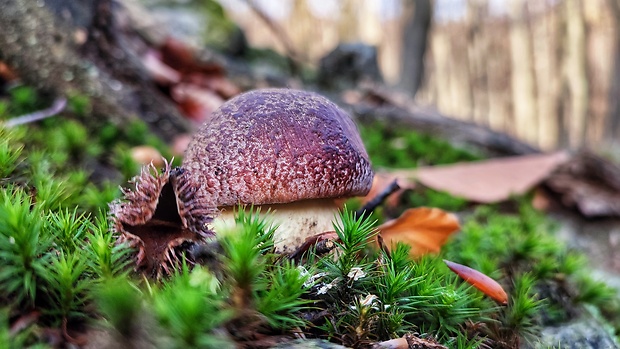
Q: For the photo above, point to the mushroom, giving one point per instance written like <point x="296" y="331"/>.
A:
<point x="288" y="151"/>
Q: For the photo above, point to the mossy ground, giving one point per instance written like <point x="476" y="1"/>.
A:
<point x="64" y="278"/>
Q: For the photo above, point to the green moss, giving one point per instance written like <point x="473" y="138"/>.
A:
<point x="393" y="146"/>
<point x="548" y="282"/>
<point x="60" y="258"/>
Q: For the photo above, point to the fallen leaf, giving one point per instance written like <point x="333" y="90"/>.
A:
<point x="145" y="154"/>
<point x="196" y="102"/>
<point x="177" y="55"/>
<point x="480" y="281"/>
<point x="489" y="181"/>
<point x="6" y="73"/>
<point x="214" y="82"/>
<point x="409" y="341"/>
<point x="322" y="242"/>
<point x="160" y="72"/>
<point x="24" y="322"/>
<point x="181" y="57"/>
<point x="180" y="143"/>
<point x="425" y="229"/>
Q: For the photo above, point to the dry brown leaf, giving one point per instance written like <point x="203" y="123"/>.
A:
<point x="196" y="102"/>
<point x="6" y="73"/>
<point x="145" y="154"/>
<point x="159" y="71"/>
<point x="489" y="181"/>
<point x="425" y="229"/>
<point x="180" y="143"/>
<point x="181" y="57"/>
<point x="217" y="83"/>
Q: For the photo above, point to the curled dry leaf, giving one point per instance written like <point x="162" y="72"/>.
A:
<point x="409" y="341"/>
<point x="196" y="102"/>
<point x="183" y="58"/>
<point x="6" y="73"/>
<point x="145" y="154"/>
<point x="217" y="83"/>
<point x="589" y="183"/>
<point x="489" y="181"/>
<point x="425" y="229"/>
<point x="323" y="243"/>
<point x="159" y="71"/>
<point x="480" y="281"/>
<point x="180" y="143"/>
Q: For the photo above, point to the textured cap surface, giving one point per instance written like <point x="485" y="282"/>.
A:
<point x="276" y="146"/>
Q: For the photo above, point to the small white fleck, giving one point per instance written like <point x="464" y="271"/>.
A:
<point x="115" y="85"/>
<point x="67" y="76"/>
<point x="12" y="240"/>
<point x="327" y="287"/>
<point x="356" y="273"/>
<point x="368" y="300"/>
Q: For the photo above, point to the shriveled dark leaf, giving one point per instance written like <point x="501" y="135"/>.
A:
<point x="589" y="183"/>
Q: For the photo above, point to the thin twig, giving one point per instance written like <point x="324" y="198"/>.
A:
<point x="279" y="32"/>
<point x="371" y="205"/>
<point x="58" y="106"/>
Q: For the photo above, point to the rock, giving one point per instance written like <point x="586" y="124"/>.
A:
<point x="348" y="65"/>
<point x="585" y="333"/>
<point x="309" y="344"/>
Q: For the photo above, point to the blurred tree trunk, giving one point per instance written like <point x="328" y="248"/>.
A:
<point x="66" y="48"/>
<point x="546" y="40"/>
<point x="613" y="116"/>
<point x="347" y="26"/>
<point x="575" y="73"/>
<point x="418" y="20"/>
<point x="478" y="57"/>
<point x="522" y="74"/>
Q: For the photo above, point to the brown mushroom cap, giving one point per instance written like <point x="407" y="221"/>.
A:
<point x="276" y="146"/>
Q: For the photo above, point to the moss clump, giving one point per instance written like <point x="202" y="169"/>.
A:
<point x="63" y="272"/>
<point x="399" y="147"/>
<point x="548" y="283"/>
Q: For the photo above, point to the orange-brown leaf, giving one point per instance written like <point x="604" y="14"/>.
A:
<point x="425" y="229"/>
<point x="480" y="281"/>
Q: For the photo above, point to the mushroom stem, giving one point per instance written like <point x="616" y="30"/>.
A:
<point x="296" y="220"/>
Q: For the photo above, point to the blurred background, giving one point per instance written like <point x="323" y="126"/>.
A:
<point x="545" y="71"/>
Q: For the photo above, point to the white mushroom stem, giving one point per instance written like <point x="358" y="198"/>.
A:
<point x="296" y="221"/>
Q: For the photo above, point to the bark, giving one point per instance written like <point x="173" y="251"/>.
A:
<point x="415" y="38"/>
<point x="546" y="66"/>
<point x="522" y="74"/>
<point x="47" y="53"/>
<point x="477" y="55"/>
<point x="613" y="117"/>
<point x="575" y="73"/>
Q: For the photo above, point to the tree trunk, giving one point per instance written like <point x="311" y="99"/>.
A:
<point x="45" y="50"/>
<point x="522" y="74"/>
<point x="575" y="73"/>
<point x="613" y="116"/>
<point x="415" y="38"/>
